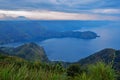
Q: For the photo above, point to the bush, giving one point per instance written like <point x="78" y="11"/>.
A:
<point x="74" y="70"/>
<point x="101" y="71"/>
<point x="98" y="71"/>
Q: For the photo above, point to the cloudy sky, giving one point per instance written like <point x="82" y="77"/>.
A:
<point x="60" y="9"/>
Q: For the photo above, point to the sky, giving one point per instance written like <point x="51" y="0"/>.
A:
<point x="60" y="9"/>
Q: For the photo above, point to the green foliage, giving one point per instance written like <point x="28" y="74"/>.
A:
<point x="83" y="76"/>
<point x="15" y="72"/>
<point x="101" y="71"/>
<point x="18" y="69"/>
<point x="74" y="70"/>
<point x="98" y="71"/>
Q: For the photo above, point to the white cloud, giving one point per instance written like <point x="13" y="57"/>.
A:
<point x="72" y="2"/>
<point x="106" y="11"/>
<point x="63" y="1"/>
<point x="53" y="15"/>
<point x="67" y="3"/>
<point x="1" y="16"/>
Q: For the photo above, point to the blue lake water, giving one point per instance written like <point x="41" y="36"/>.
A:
<point x="71" y="49"/>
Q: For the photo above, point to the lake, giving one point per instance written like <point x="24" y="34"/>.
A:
<point x="71" y="49"/>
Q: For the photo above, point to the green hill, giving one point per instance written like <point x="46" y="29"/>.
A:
<point x="6" y="59"/>
<point x="109" y="56"/>
<point x="29" y="51"/>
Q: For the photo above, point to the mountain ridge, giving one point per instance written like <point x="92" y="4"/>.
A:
<point x="31" y="31"/>
<point x="28" y="51"/>
<point x="109" y="56"/>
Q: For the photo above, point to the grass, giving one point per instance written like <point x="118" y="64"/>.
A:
<point x="13" y="72"/>
<point x="98" y="71"/>
<point x="38" y="71"/>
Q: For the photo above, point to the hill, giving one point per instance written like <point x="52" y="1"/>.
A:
<point x="6" y="59"/>
<point x="109" y="56"/>
<point x="28" y="51"/>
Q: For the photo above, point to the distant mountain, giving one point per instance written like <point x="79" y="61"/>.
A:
<point x="8" y="18"/>
<point x="109" y="56"/>
<point x="29" y="51"/>
<point x="21" y="18"/>
<point x="18" y="31"/>
<point x="31" y="31"/>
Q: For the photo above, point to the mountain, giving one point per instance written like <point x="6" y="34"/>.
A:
<point x="18" y="31"/>
<point x="3" y="53"/>
<point x="31" y="31"/>
<point x="5" y="58"/>
<point x="28" y="51"/>
<point x="109" y="56"/>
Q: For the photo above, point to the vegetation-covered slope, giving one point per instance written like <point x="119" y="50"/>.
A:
<point x="106" y="55"/>
<point x="109" y="56"/>
<point x="28" y="51"/>
<point x="6" y="59"/>
<point x="103" y="65"/>
<point x="16" y="70"/>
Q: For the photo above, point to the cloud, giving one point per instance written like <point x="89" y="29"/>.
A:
<point x="72" y="2"/>
<point x="106" y="11"/>
<point x="51" y="9"/>
<point x="58" y="4"/>
<point x="53" y="15"/>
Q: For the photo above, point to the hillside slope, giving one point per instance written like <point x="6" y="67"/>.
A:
<point x="28" y="51"/>
<point x="6" y="59"/>
<point x="109" y="56"/>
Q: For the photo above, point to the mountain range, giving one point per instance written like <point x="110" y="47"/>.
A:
<point x="31" y="31"/>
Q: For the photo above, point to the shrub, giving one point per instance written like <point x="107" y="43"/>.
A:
<point x="74" y="70"/>
<point x="101" y="71"/>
